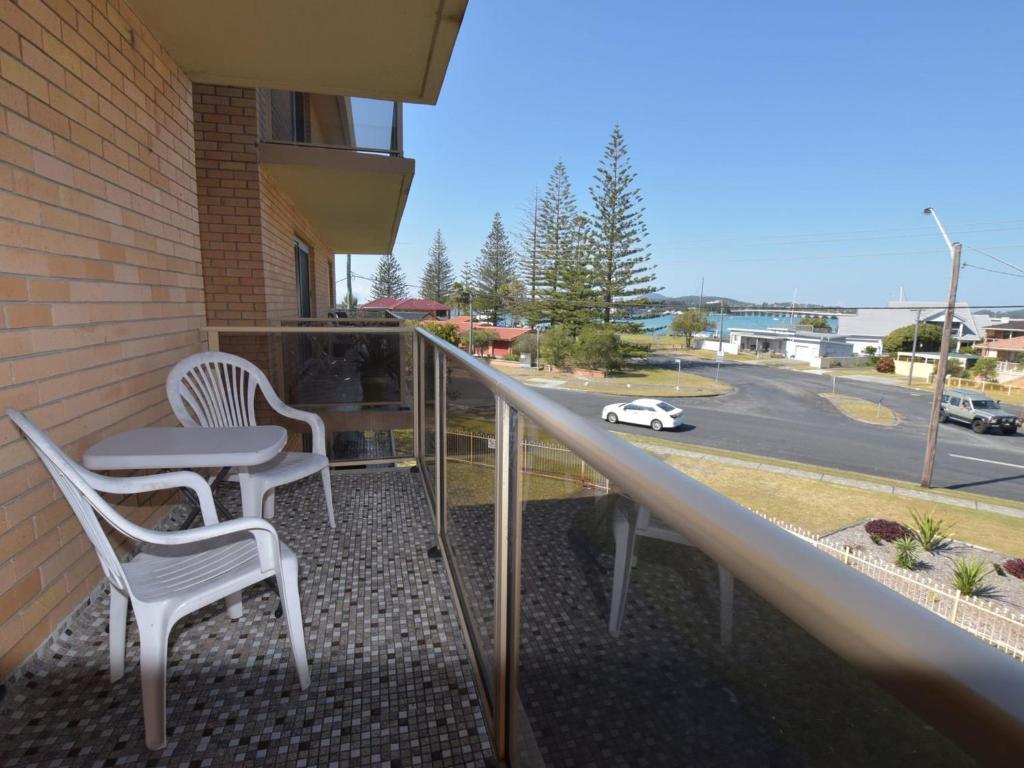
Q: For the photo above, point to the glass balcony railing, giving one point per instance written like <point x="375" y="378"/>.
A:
<point x="341" y="122"/>
<point x="620" y="613"/>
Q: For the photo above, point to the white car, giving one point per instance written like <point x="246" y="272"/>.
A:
<point x="656" y="414"/>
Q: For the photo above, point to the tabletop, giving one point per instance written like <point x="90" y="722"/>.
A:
<point x="186" y="447"/>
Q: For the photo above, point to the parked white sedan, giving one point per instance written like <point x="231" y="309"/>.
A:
<point x="656" y="414"/>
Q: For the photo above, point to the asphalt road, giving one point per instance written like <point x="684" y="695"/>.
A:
<point x="778" y="413"/>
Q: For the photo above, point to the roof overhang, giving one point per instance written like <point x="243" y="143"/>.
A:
<point x="354" y="200"/>
<point x="380" y="49"/>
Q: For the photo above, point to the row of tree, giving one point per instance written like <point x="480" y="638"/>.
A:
<point x="570" y="267"/>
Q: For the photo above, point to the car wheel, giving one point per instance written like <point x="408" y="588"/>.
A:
<point x="656" y="425"/>
<point x="612" y="418"/>
<point x="943" y="417"/>
<point x="1009" y="430"/>
<point x="979" y="426"/>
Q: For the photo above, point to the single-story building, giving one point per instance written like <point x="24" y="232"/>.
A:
<point x="501" y="346"/>
<point x="925" y="362"/>
<point x="409" y="309"/>
<point x="783" y="342"/>
<point x="869" y="327"/>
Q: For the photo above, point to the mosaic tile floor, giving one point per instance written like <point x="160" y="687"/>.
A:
<point x="391" y="684"/>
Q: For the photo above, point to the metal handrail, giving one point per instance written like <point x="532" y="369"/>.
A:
<point x="971" y="691"/>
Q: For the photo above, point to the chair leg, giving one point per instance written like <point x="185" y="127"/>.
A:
<point x="117" y="629"/>
<point x="325" y="473"/>
<point x="268" y="505"/>
<point x="153" y="632"/>
<point x="288" y="584"/>
<point x="624" y="533"/>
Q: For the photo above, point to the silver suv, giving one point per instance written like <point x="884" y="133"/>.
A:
<point x="978" y="410"/>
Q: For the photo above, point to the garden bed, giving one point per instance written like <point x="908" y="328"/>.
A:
<point x="1007" y="591"/>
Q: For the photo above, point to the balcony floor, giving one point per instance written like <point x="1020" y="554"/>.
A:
<point x="391" y="682"/>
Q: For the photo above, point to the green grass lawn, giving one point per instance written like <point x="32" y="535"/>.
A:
<point x="638" y="382"/>
<point x="862" y="410"/>
<point x="822" y="507"/>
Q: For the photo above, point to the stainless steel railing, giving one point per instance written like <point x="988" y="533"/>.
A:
<point x="970" y="691"/>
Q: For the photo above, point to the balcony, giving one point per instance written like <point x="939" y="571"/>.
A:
<point x="591" y="606"/>
<point x="385" y="49"/>
<point x="339" y="159"/>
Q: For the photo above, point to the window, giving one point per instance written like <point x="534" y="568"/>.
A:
<point x="666" y="406"/>
<point x="954" y="401"/>
<point x="984" y="405"/>
<point x="303" y="305"/>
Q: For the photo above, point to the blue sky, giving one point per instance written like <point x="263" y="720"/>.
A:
<point x="780" y="147"/>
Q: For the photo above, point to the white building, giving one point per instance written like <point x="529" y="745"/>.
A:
<point x="784" y="342"/>
<point x="869" y="327"/>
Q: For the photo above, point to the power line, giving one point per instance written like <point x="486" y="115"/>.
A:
<point x="996" y="258"/>
<point x="994" y="271"/>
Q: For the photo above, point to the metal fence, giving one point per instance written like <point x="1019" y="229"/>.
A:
<point x="539" y="458"/>
<point x="992" y="623"/>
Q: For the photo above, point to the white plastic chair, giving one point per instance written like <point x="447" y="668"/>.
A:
<point x="215" y="389"/>
<point x="175" y="573"/>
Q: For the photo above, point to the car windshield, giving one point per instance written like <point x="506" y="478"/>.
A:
<point x="984" y="405"/>
<point x="666" y="407"/>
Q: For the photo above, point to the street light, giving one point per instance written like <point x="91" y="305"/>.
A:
<point x="940" y="367"/>
<point x="679" y="372"/>
<point x="721" y="334"/>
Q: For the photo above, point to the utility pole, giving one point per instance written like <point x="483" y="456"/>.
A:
<point x="471" y="350"/>
<point x="940" y="372"/>
<point x="536" y="357"/>
<point x="700" y="303"/>
<point x="913" y="353"/>
<point x="350" y="299"/>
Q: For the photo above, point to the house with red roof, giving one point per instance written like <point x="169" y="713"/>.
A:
<point x="409" y="309"/>
<point x="501" y="346"/>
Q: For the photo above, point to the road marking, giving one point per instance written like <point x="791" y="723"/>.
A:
<point x="987" y="461"/>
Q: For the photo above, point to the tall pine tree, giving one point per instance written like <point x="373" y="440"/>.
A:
<point x="557" y="211"/>
<point x="438" y="274"/>
<point x="495" y="285"/>
<point x="622" y="268"/>
<point x="389" y="280"/>
<point x="531" y="261"/>
<point x="576" y="304"/>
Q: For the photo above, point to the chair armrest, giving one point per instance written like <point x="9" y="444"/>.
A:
<point x="158" y="482"/>
<point x="263" y="532"/>
<point x="316" y="424"/>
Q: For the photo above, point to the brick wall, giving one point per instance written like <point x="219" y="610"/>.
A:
<point x="229" y="204"/>
<point x="100" y="275"/>
<point x="282" y="223"/>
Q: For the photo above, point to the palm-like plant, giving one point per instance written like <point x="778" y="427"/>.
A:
<point x="930" y="532"/>
<point x="906" y="552"/>
<point x="969" y="575"/>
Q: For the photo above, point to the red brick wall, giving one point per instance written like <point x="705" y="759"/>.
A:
<point x="100" y="275"/>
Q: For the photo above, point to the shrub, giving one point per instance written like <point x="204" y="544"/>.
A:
<point x="929" y="337"/>
<point x="446" y="331"/>
<point x="955" y="369"/>
<point x="968" y="575"/>
<point x="872" y="353"/>
<point x="998" y="569"/>
<point x="885" y="365"/>
<point x="906" y="552"/>
<point x="482" y="339"/>
<point x="525" y="345"/>
<point x="1014" y="567"/>
<point x="929" y="532"/>
<point x="887" y="530"/>
<point x="556" y="346"/>
<point x="598" y="348"/>
<point x="986" y="369"/>
<point x="875" y="539"/>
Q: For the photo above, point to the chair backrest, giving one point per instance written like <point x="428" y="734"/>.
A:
<point x="215" y="389"/>
<point x="85" y="502"/>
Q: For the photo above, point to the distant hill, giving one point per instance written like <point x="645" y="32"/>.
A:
<point x="692" y="300"/>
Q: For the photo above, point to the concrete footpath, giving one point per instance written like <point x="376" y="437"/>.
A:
<point x="825" y="477"/>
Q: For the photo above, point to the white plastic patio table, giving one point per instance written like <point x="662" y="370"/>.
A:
<point x="189" y="448"/>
